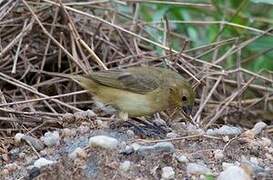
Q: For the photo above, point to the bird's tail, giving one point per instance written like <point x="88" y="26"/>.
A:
<point x="85" y="82"/>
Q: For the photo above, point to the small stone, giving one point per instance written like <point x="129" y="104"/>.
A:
<point x="182" y="159"/>
<point x="90" y="114"/>
<point x="36" y="143"/>
<point x="51" y="138"/>
<point x="104" y="142"/>
<point x="66" y="132"/>
<point x="218" y="154"/>
<point x="197" y="169"/>
<point x="130" y="133"/>
<point x="258" y="127"/>
<point x="234" y="172"/>
<point x="125" y="166"/>
<point x="254" y="160"/>
<point x="127" y="150"/>
<point x="135" y="146"/>
<point x="225" y="138"/>
<point x="83" y="129"/>
<point x="42" y="162"/>
<point x="102" y="124"/>
<point x="171" y="135"/>
<point x="225" y="130"/>
<point x="157" y="148"/>
<point x="167" y="173"/>
<point x="78" y="153"/>
<point x="225" y="165"/>
<point x="22" y="155"/>
<point x="18" y="137"/>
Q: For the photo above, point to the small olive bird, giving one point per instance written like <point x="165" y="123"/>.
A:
<point x="139" y="91"/>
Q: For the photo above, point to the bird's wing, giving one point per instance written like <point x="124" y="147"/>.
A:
<point x="136" y="81"/>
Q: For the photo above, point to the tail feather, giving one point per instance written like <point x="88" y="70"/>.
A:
<point x="85" y="82"/>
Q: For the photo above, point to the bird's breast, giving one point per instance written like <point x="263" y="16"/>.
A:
<point x="133" y="103"/>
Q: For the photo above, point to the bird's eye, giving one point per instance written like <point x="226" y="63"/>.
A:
<point x="184" y="98"/>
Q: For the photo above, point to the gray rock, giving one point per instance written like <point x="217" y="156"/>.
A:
<point x="157" y="148"/>
<point x="32" y="141"/>
<point x="171" y="135"/>
<point x="167" y="173"/>
<point x="218" y="154"/>
<point x="42" y="162"/>
<point x="194" y="168"/>
<point x="78" y="153"/>
<point x="258" y="127"/>
<point x="234" y="172"/>
<point x="225" y="130"/>
<point x="125" y="166"/>
<point x="51" y="138"/>
<point x="182" y="159"/>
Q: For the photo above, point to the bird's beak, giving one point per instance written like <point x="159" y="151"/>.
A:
<point x="187" y="109"/>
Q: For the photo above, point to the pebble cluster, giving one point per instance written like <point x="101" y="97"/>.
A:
<point x="243" y="169"/>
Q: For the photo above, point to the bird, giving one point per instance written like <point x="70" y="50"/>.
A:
<point x="139" y="91"/>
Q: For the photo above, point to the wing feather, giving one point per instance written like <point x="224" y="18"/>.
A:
<point x="135" y="80"/>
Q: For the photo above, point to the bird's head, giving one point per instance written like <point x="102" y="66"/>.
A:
<point x="182" y="96"/>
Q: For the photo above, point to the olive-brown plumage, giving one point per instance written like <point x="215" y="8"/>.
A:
<point x="139" y="91"/>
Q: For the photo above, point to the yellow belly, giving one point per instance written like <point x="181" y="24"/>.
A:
<point x="132" y="103"/>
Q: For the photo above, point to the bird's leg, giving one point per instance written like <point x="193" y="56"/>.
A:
<point x="123" y="115"/>
<point x="122" y="118"/>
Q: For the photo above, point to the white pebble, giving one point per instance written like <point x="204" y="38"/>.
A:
<point x="90" y="113"/>
<point x="233" y="172"/>
<point x="78" y="152"/>
<point x="18" y="137"/>
<point x="104" y="142"/>
<point x="125" y="166"/>
<point x="194" y="168"/>
<point x="135" y="146"/>
<point x="171" y="135"/>
<point x="225" y="130"/>
<point x="167" y="173"/>
<point x="258" y="127"/>
<point x="225" y="138"/>
<point x="254" y="160"/>
<point x="42" y="162"/>
<point x="218" y="154"/>
<point x="51" y="138"/>
<point x="182" y="159"/>
<point x="225" y="165"/>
